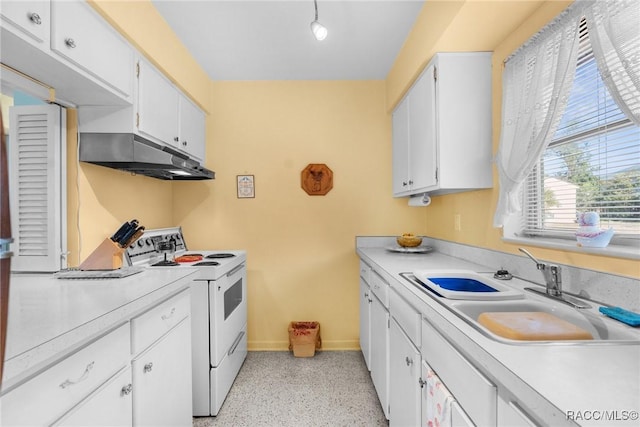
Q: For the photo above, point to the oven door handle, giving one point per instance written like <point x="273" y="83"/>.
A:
<point x="235" y="270"/>
<point x="235" y="343"/>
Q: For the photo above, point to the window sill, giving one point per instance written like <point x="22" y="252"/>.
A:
<point x="616" y="251"/>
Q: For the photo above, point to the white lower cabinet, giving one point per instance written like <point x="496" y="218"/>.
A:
<point x="162" y="371"/>
<point x="110" y="405"/>
<point x="58" y="389"/>
<point x="137" y="373"/>
<point x="473" y="391"/>
<point x="380" y="352"/>
<point x="405" y="390"/>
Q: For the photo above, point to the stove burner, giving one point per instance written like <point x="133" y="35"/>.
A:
<point x="165" y="263"/>
<point x="221" y="255"/>
<point x="206" y="263"/>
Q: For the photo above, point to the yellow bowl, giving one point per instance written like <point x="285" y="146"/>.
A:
<point x="409" y="241"/>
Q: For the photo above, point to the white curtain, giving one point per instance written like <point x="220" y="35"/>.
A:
<point x="536" y="83"/>
<point x="614" y="32"/>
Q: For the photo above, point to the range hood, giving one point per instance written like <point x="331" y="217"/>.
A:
<point x="132" y="153"/>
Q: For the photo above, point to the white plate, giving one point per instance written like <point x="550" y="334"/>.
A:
<point x="414" y="250"/>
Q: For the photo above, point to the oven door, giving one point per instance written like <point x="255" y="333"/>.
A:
<point x="228" y="305"/>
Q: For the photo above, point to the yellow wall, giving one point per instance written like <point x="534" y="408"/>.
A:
<point x="301" y="249"/>
<point x="482" y="25"/>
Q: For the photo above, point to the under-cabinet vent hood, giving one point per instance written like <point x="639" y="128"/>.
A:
<point x="132" y="153"/>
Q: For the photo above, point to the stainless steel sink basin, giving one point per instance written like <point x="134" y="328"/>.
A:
<point x="603" y="329"/>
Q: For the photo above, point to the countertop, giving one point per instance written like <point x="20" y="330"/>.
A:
<point x="556" y="382"/>
<point x="49" y="316"/>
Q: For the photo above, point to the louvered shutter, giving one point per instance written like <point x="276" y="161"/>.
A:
<point x="37" y="189"/>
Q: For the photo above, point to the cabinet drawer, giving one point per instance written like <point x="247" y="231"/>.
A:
<point x="365" y="271"/>
<point x="151" y="325"/>
<point x="407" y="317"/>
<point x="475" y="393"/>
<point x="80" y="35"/>
<point x="379" y="287"/>
<point x="45" y="397"/>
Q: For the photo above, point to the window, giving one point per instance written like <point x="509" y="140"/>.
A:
<point x="591" y="164"/>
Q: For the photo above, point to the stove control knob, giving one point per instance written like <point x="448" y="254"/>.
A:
<point x="140" y="243"/>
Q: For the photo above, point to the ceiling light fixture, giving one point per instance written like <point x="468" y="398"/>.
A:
<point x="318" y="30"/>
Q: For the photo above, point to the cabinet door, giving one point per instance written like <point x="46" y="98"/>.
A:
<point x="192" y="129"/>
<point x="157" y="105"/>
<point x="80" y="35"/>
<point x="30" y="17"/>
<point x="162" y="381"/>
<point x="400" y="135"/>
<point x="365" y="321"/>
<point x="422" y="132"/>
<point x="380" y="352"/>
<point x="110" y="405"/>
<point x="404" y="375"/>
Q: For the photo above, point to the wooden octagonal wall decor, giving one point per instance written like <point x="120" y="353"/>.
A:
<point x="316" y="179"/>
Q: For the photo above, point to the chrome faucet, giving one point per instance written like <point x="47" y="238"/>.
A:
<point x="553" y="280"/>
<point x="552" y="275"/>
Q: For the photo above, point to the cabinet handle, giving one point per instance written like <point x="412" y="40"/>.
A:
<point x="170" y="315"/>
<point x="84" y="376"/>
<point x="70" y="43"/>
<point x="410" y="182"/>
<point x="404" y="183"/>
<point x="370" y="300"/>
<point x="408" y="360"/>
<point x="184" y="143"/>
<point x="422" y="382"/>
<point x="148" y="367"/>
<point x="35" y="18"/>
<point x="366" y="294"/>
<point x="126" y="390"/>
<point x="176" y="139"/>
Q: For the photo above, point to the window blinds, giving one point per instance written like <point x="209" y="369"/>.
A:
<point x="591" y="164"/>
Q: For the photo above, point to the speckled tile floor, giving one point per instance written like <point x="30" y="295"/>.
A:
<point x="275" y="389"/>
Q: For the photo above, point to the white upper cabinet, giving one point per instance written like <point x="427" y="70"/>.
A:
<point x="157" y="115"/>
<point x="31" y="18"/>
<point x="81" y="36"/>
<point x="166" y="114"/>
<point x="442" y="128"/>
<point x="192" y="129"/>
<point x="68" y="47"/>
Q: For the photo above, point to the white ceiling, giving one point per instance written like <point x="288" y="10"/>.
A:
<point x="272" y="40"/>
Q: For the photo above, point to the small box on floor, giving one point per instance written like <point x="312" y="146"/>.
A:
<point x="304" y="338"/>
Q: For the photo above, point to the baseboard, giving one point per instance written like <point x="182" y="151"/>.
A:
<point x="338" y="345"/>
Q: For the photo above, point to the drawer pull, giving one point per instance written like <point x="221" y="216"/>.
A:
<point x="170" y="315"/>
<point x="422" y="382"/>
<point x="70" y="43"/>
<point x="82" y="377"/>
<point x="126" y="390"/>
<point x="148" y="367"/>
<point x="408" y="360"/>
<point x="35" y="18"/>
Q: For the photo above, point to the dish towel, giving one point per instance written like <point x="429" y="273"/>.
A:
<point x="438" y="402"/>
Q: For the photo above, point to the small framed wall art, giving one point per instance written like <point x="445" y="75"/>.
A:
<point x="246" y="187"/>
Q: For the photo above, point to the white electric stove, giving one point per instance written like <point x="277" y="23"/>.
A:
<point x="218" y="310"/>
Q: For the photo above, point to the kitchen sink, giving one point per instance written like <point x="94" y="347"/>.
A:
<point x="465" y="285"/>
<point x="602" y="329"/>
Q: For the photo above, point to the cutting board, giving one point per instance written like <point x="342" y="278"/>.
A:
<point x="532" y="326"/>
